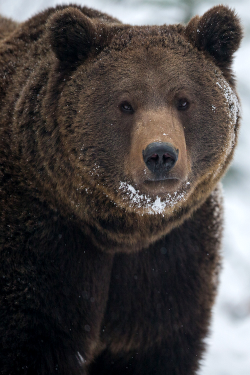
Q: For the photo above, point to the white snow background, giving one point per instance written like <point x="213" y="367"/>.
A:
<point x="229" y="343"/>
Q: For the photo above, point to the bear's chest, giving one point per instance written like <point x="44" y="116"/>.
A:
<point x="150" y="299"/>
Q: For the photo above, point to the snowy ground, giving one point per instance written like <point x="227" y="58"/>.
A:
<point x="229" y="344"/>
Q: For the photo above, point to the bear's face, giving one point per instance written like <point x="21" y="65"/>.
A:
<point x="130" y="101"/>
<point x="134" y="126"/>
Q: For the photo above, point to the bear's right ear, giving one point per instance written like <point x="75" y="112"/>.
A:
<point x="218" y="32"/>
<point x="71" y="35"/>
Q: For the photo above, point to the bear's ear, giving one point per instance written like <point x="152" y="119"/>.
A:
<point x="217" y="32"/>
<point x="71" y="35"/>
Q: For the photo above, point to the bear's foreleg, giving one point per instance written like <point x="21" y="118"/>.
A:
<point x="54" y="289"/>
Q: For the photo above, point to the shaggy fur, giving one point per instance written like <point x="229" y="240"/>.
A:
<point x="105" y="269"/>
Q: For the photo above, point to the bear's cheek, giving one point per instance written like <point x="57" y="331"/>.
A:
<point x="159" y="126"/>
<point x="210" y="145"/>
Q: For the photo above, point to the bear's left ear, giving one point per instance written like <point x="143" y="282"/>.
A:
<point x="217" y="32"/>
<point x="71" y="35"/>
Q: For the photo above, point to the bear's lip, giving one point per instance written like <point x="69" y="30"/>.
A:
<point x="161" y="186"/>
<point x="160" y="179"/>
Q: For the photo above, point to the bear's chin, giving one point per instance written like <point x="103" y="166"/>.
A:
<point x="154" y="197"/>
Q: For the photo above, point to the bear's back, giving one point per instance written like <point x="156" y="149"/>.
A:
<point x="7" y="26"/>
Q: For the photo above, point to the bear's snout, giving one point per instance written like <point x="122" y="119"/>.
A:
<point x="160" y="157"/>
<point x="158" y="161"/>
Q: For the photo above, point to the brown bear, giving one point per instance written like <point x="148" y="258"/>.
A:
<point x="113" y="140"/>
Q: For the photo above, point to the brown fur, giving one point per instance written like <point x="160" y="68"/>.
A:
<point x="91" y="268"/>
<point x="7" y="26"/>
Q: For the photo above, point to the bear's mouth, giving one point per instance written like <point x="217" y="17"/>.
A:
<point x="161" y="186"/>
<point x="154" y="196"/>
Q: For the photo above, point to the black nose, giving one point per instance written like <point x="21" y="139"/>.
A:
<point x="160" y="157"/>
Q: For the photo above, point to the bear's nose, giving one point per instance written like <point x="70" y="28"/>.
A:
<point x="160" y="157"/>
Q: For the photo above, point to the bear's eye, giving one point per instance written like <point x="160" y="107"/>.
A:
<point x="126" y="107"/>
<point x="182" y="104"/>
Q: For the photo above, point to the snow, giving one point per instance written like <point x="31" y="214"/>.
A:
<point x="81" y="360"/>
<point x="231" y="99"/>
<point x="150" y="206"/>
<point x="229" y="343"/>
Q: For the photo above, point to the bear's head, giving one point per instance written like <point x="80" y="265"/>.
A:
<point x="138" y="123"/>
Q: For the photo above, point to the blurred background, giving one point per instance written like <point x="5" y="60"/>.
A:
<point x="229" y="342"/>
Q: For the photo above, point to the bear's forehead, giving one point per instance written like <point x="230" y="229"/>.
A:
<point x="161" y="49"/>
<point x="156" y="58"/>
<point x="147" y="37"/>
